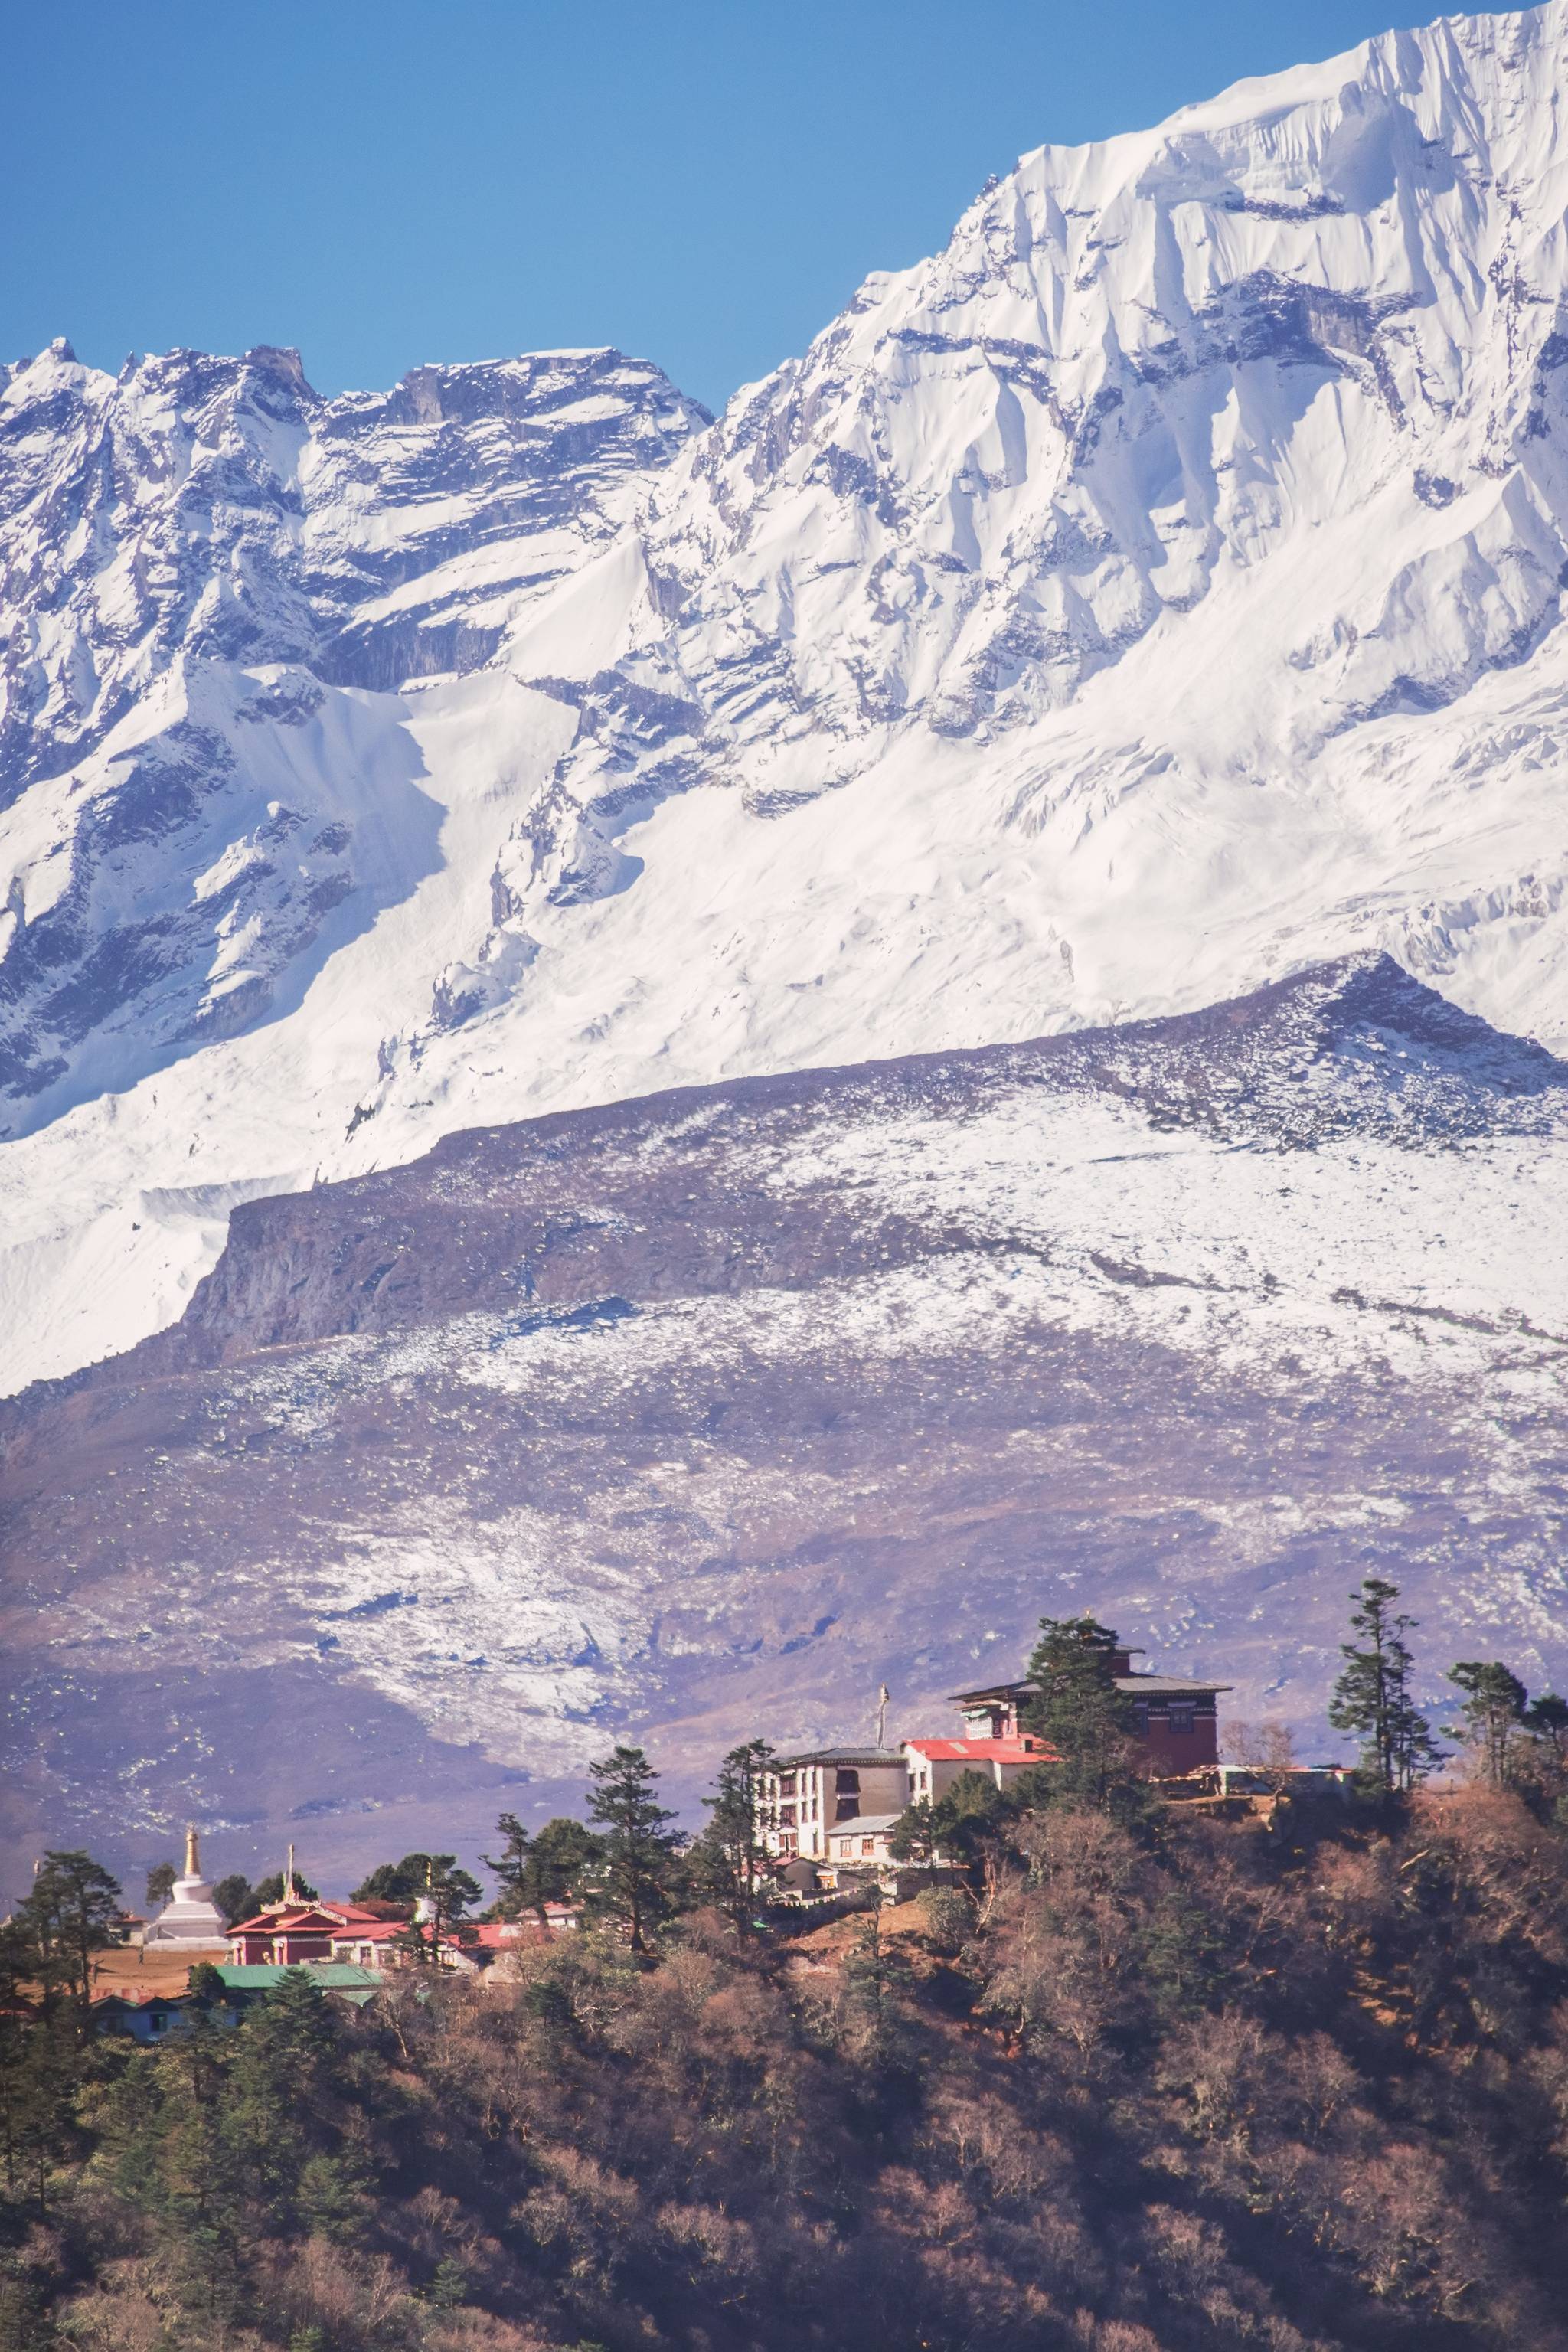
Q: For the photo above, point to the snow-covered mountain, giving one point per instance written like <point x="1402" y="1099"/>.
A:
<point x="1153" y="593"/>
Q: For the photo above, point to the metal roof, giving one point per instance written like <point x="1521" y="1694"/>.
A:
<point x="355" y="1983"/>
<point x="1137" y="1685"/>
<point x="867" y="1825"/>
<point x="846" y="1756"/>
<point x="1157" y="1686"/>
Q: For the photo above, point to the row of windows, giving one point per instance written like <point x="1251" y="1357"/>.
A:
<point x="846" y="1779"/>
<point x="1180" y="1714"/>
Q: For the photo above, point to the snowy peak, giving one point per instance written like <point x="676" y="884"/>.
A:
<point x="1221" y="455"/>
<point x="1141" y="366"/>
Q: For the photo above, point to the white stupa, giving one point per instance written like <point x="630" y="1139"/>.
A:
<point x="190" y="1918"/>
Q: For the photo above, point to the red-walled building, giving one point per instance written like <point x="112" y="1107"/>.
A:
<point x="287" y="1933"/>
<point x="1177" y="1720"/>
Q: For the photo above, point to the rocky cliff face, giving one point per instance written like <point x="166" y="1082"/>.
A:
<point x="702" y="1415"/>
<point x="194" y="557"/>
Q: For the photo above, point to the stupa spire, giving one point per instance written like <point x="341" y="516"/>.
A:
<point x="192" y="1853"/>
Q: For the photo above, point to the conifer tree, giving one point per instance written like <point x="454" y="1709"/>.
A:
<point x="284" y="2073"/>
<point x="1546" y="1722"/>
<point x="913" y="1836"/>
<point x="1493" y="1710"/>
<point x="1372" y="1697"/>
<point x="877" y="1979"/>
<point x="729" y="1858"/>
<point x="1082" y="1716"/>
<point x="637" y="1850"/>
<point x="956" y="1829"/>
<point x="71" y="1911"/>
<point x="394" y="1882"/>
<point x="160" y="1885"/>
<point x="967" y="1817"/>
<point x="540" y="1867"/>
<point x="447" y="1893"/>
<point x="270" y="1890"/>
<point x="235" y="1896"/>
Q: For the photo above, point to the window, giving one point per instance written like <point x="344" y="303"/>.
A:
<point x="786" y="1815"/>
<point x="1181" y="1715"/>
<point x="847" y="1782"/>
<point x="848" y="1809"/>
<point x="868" y="1846"/>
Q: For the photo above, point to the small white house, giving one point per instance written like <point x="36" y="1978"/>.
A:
<point x="863" y="1841"/>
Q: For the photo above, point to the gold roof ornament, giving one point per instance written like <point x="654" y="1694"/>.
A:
<point x="193" y="1854"/>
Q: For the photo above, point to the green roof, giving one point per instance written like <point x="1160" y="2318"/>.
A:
<point x="355" y="1984"/>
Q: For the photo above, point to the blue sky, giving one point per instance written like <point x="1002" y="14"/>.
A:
<point x="703" y="181"/>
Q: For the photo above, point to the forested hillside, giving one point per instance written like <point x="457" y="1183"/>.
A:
<point x="1146" y="2086"/>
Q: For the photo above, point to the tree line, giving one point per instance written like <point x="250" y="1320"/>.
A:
<point x="1128" y="2078"/>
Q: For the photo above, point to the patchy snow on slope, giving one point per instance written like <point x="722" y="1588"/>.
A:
<point x="711" y="1412"/>
<point x="1365" y="1185"/>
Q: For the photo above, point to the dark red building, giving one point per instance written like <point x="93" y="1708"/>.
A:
<point x="1177" y="1720"/>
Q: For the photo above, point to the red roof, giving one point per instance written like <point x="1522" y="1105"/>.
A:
<point x="299" y="1918"/>
<point x="494" y="1934"/>
<point x="1021" y="1748"/>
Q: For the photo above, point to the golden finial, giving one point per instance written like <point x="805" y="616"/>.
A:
<point x="193" y="1858"/>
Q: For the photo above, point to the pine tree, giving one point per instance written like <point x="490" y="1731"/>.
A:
<point x="286" y="2073"/>
<point x="877" y="1980"/>
<point x="1373" y="1698"/>
<point x="37" y="2104"/>
<point x="637" y="1850"/>
<point x="449" y="1891"/>
<point x="394" y="1882"/>
<point x="967" y="1816"/>
<point x="913" y="1836"/>
<point x="160" y="1885"/>
<point x="1546" y="1722"/>
<point x="271" y="1890"/>
<point x="71" y="1911"/>
<point x="235" y="1896"/>
<point x="1082" y="1716"/>
<point x="1493" y="1710"/>
<point x="729" y="1858"/>
<point x="540" y="1867"/>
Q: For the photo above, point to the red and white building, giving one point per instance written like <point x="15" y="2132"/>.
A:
<point x="284" y="1934"/>
<point x="935" y="1765"/>
<point x="367" y="1934"/>
<point x="841" y="1805"/>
